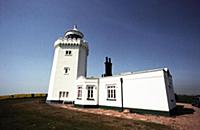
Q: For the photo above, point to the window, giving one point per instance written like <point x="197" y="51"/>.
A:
<point x="90" y="92"/>
<point x="67" y="93"/>
<point x="63" y="94"/>
<point x="111" y="93"/>
<point x="60" y="93"/>
<point x="66" y="69"/>
<point x="68" y="53"/>
<point x="79" y="96"/>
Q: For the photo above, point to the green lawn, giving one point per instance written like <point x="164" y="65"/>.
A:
<point x="34" y="113"/>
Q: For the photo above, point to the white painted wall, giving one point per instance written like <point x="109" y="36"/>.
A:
<point x="59" y="81"/>
<point x="82" y="62"/>
<point x="145" y="90"/>
<point x="103" y="83"/>
<point x="52" y="76"/>
<point x="82" y="81"/>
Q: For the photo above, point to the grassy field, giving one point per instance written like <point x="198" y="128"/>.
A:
<point x="17" y="96"/>
<point x="34" y="113"/>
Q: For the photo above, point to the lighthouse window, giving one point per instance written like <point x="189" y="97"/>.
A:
<point x="60" y="93"/>
<point x="66" y="69"/>
<point x="67" y="93"/>
<point x="63" y="94"/>
<point x="68" y="53"/>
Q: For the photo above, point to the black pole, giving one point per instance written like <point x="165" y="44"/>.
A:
<point x="121" y="80"/>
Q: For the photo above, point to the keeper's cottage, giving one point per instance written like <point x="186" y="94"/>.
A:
<point x="143" y="91"/>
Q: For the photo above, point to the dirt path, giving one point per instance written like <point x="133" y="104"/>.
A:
<point x="184" y="121"/>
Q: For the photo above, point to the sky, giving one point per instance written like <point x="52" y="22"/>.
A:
<point x="136" y="34"/>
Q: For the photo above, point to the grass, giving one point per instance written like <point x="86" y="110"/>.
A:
<point x="17" y="96"/>
<point x="34" y="113"/>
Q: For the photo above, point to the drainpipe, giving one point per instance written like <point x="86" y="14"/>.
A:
<point x="98" y="91"/>
<point x="121" y="80"/>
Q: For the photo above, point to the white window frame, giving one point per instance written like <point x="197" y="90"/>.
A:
<point x="63" y="94"/>
<point x="111" y="92"/>
<point x="79" y="93"/>
<point x="66" y="70"/>
<point x="67" y="94"/>
<point x="60" y="94"/>
<point x="90" y="92"/>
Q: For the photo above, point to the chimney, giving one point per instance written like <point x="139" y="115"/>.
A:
<point x="108" y="67"/>
<point x="109" y="60"/>
<point x="106" y="59"/>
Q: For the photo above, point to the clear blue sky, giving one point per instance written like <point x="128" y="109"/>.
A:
<point x="136" y="34"/>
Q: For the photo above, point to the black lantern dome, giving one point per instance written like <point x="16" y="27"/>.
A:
<point x="74" y="33"/>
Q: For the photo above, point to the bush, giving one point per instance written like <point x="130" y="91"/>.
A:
<point x="184" y="98"/>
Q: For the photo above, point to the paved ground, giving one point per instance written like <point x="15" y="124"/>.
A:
<point x="187" y="119"/>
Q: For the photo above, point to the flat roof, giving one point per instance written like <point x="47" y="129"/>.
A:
<point x="129" y="73"/>
<point x="139" y="72"/>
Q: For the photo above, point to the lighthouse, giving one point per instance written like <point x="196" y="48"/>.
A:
<point x="70" y="62"/>
<point x="149" y="91"/>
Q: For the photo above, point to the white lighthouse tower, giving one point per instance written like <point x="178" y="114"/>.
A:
<point x="70" y="62"/>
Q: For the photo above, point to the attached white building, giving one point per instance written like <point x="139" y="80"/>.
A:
<point x="87" y="91"/>
<point x="144" y="91"/>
